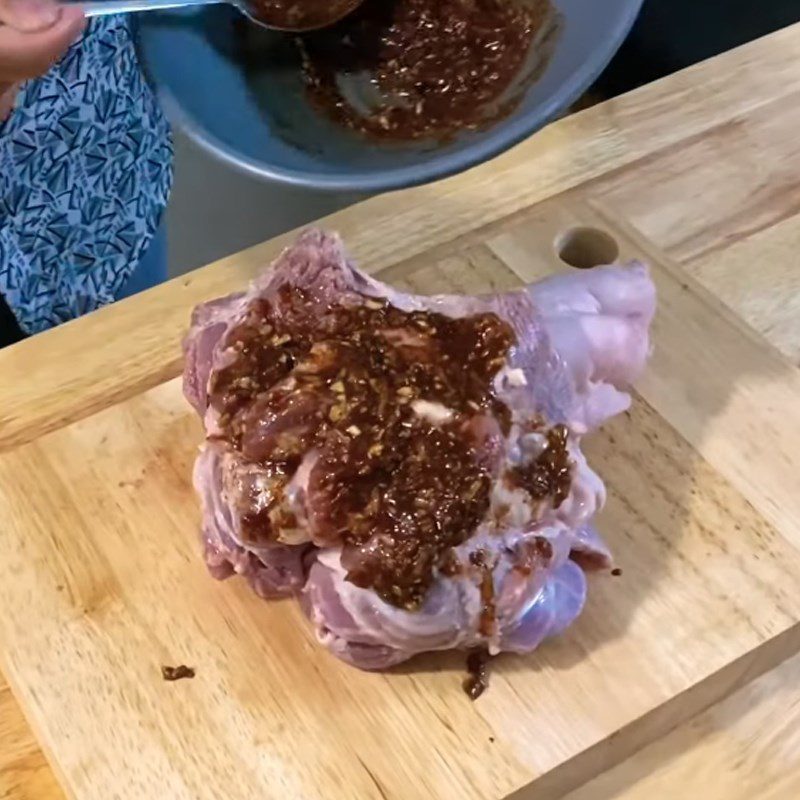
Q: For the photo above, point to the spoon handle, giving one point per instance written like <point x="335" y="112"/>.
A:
<point x="102" y="8"/>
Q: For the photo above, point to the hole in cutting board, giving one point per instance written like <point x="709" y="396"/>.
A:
<point x="585" y="248"/>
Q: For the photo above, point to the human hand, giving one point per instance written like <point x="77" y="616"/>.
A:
<point x="34" y="34"/>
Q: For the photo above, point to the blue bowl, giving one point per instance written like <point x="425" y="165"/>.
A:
<point x="257" y="117"/>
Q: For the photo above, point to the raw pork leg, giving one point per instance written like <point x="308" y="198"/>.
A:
<point x="581" y="339"/>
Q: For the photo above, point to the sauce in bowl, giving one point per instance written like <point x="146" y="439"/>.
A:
<point x="300" y="15"/>
<point x="433" y="67"/>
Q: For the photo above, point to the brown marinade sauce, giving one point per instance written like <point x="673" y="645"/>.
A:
<point x="550" y="475"/>
<point x="439" y="66"/>
<point x="179" y="673"/>
<point x="482" y="561"/>
<point x="477" y="680"/>
<point x="297" y="14"/>
<point x="387" y="475"/>
<point x="533" y="555"/>
<point x="398" y="489"/>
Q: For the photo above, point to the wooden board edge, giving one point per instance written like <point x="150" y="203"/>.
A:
<point x="678" y="710"/>
<point x="39" y="737"/>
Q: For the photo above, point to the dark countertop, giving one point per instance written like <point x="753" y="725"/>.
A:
<point x="673" y="34"/>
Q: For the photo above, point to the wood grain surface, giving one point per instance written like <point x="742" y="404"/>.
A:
<point x="745" y="748"/>
<point x="24" y="772"/>
<point x="700" y="175"/>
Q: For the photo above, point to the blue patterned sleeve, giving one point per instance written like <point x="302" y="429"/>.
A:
<point x="85" y="173"/>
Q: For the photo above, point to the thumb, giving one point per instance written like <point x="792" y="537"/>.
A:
<point x="29" y="16"/>
<point x="27" y="55"/>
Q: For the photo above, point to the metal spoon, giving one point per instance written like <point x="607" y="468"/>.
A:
<point x="274" y="18"/>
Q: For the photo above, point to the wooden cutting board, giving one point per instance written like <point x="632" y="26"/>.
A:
<point x="101" y="580"/>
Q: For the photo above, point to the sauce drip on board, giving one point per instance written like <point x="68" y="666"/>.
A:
<point x="436" y="67"/>
<point x="477" y="680"/>
<point x="178" y="673"/>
